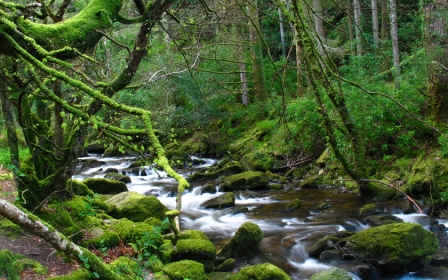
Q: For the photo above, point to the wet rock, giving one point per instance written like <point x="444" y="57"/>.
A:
<point x="136" y="207"/>
<point x="440" y="258"/>
<point x="293" y="205"/>
<point x="227" y="265"/>
<point x="223" y="201"/>
<point x="95" y="148"/>
<point x="105" y="186"/>
<point x="209" y="188"/>
<point x="319" y="246"/>
<point x="92" y="163"/>
<point x="261" y="271"/>
<point x="332" y="273"/>
<point x="312" y="181"/>
<point x="111" y="170"/>
<point x="245" y="242"/>
<point x="230" y="168"/>
<point x="118" y="177"/>
<point x="245" y="180"/>
<point x="379" y="220"/>
<point x="329" y="255"/>
<point x="322" y="206"/>
<point x="236" y="210"/>
<point x="275" y="178"/>
<point x="185" y="269"/>
<point x="200" y="250"/>
<point x="368" y="209"/>
<point x="393" y="247"/>
<point x="365" y="271"/>
<point x="434" y="272"/>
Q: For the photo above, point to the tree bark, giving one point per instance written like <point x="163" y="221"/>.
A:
<point x="358" y="30"/>
<point x="394" y="38"/>
<point x="10" y="125"/>
<point x="243" y="77"/>
<point x="376" y="36"/>
<point x="282" y="33"/>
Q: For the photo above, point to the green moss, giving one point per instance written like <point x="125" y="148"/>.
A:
<point x="333" y="273"/>
<point x="293" y="205"/>
<point x="78" y="188"/>
<point x="185" y="269"/>
<point x="195" y="249"/>
<point x="264" y="271"/>
<point x="245" y="180"/>
<point x="118" y="177"/>
<point x="105" y="186"/>
<point x="9" y="228"/>
<point x="12" y="265"/>
<point x="245" y="242"/>
<point x="127" y="268"/>
<point x="368" y="209"/>
<point x="130" y="231"/>
<point x="99" y="238"/>
<point x="80" y="274"/>
<point x="187" y="234"/>
<point x="226" y="170"/>
<point x="137" y="207"/>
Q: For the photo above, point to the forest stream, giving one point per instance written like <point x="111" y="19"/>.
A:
<point x="287" y="234"/>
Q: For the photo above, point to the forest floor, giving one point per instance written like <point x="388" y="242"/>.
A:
<point x="30" y="246"/>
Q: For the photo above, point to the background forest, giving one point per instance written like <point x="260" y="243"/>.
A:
<point x="360" y="87"/>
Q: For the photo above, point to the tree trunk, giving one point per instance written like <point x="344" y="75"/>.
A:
<point x="394" y="38"/>
<point x="376" y="37"/>
<point x="243" y="77"/>
<point x="350" y="27"/>
<point x="358" y="30"/>
<point x="10" y="126"/>
<point x="256" y="51"/>
<point x="319" y="26"/>
<point x="436" y="42"/>
<point x="384" y="34"/>
<point x="282" y="33"/>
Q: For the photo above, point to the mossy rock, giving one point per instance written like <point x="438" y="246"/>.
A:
<point x="12" y="265"/>
<point x="245" y="180"/>
<point x="293" y="205"/>
<point x="92" y="163"/>
<point x="312" y="181"/>
<point x="379" y="220"/>
<point x="275" y="177"/>
<point x="194" y="249"/>
<point x="368" y="209"/>
<point x="126" y="267"/>
<point x="320" y="245"/>
<point x="137" y="207"/>
<point x="100" y="238"/>
<point x="105" y="186"/>
<point x="223" y="201"/>
<point x="227" y="265"/>
<point x="185" y="269"/>
<point x="322" y="206"/>
<point x="230" y="168"/>
<point x="245" y="243"/>
<point x="130" y="231"/>
<point x="187" y="234"/>
<point x="78" y="188"/>
<point x="259" y="161"/>
<point x="115" y="151"/>
<point x="333" y="273"/>
<point x="265" y="271"/>
<point x="393" y="247"/>
<point x="118" y="177"/>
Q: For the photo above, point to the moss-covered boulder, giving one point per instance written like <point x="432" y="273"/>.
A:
<point x="118" y="177"/>
<point x="245" y="242"/>
<point x="136" y="207"/>
<point x="185" y="269"/>
<point x="333" y="273"/>
<point x="223" y="201"/>
<point x="126" y="267"/>
<point x="12" y="265"/>
<point x="130" y="231"/>
<point x="265" y="271"/>
<point x="105" y="186"/>
<point x="227" y="265"/>
<point x="275" y="177"/>
<point x="293" y="205"/>
<point x="368" y="209"/>
<point x="245" y="180"/>
<point x="92" y="163"/>
<point x="202" y="251"/>
<point x="77" y="187"/>
<point x="100" y="238"/>
<point x="379" y="220"/>
<point x="393" y="247"/>
<point x="230" y="168"/>
<point x="318" y="247"/>
<point x="116" y="151"/>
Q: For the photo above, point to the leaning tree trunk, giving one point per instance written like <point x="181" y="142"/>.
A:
<point x="436" y="41"/>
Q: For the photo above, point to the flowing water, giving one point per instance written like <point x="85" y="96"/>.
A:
<point x="287" y="234"/>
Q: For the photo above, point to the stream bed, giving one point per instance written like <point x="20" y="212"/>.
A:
<point x="287" y="234"/>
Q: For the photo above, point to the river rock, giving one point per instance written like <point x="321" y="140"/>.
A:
<point x="78" y="188"/>
<point x="185" y="269"/>
<point x="265" y="271"/>
<point x="245" y="180"/>
<point x="230" y="168"/>
<point x="200" y="250"/>
<point x="105" y="186"/>
<point x="275" y="177"/>
<point x="393" y="247"/>
<point x="293" y="205"/>
<point x="245" y="242"/>
<point x="136" y="207"/>
<point x="117" y="176"/>
<point x="329" y="255"/>
<point x="368" y="209"/>
<point x="319" y="246"/>
<point x="379" y="220"/>
<point x="223" y="201"/>
<point x="227" y="265"/>
<point x="332" y="273"/>
<point x="92" y="163"/>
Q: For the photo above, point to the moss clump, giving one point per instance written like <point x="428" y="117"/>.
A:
<point x="393" y="246"/>
<point x="80" y="274"/>
<point x="185" y="269"/>
<point x="130" y="231"/>
<point x="265" y="271"/>
<point x="99" y="238"/>
<point x="245" y="242"/>
<point x="9" y="228"/>
<point x="245" y="180"/>
<point x="223" y="201"/>
<point x="105" y="186"/>
<point x="118" y="177"/>
<point x="293" y="205"/>
<point x="127" y="268"/>
<point x="368" y="209"/>
<point x="187" y="234"/>
<point x="78" y="188"/>
<point x="333" y="273"/>
<point x="226" y="170"/>
<point x="194" y="249"/>
<point x="137" y="207"/>
<point x="12" y="265"/>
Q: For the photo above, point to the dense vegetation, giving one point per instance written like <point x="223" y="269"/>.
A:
<point x="220" y="79"/>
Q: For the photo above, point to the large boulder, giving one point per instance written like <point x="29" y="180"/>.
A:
<point x="118" y="177"/>
<point x="200" y="250"/>
<point x="136" y="207"/>
<point x="245" y="180"/>
<point x="105" y="186"/>
<point x="393" y="247"/>
<point x="265" y="271"/>
<point x="185" y="269"/>
<point x="223" y="201"/>
<point x="229" y="168"/>
<point x="245" y="242"/>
